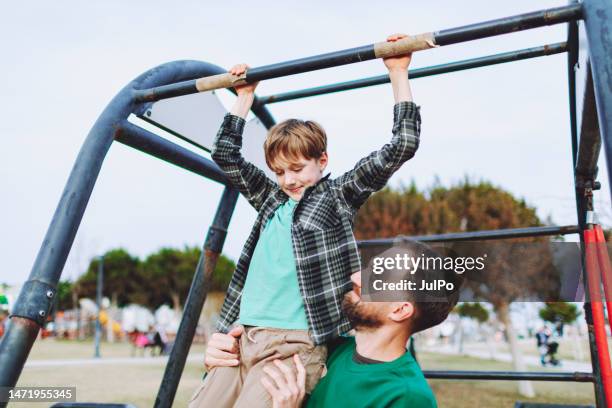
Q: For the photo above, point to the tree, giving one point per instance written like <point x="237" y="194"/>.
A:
<point x="63" y="297"/>
<point x="121" y="277"/>
<point x="223" y="274"/>
<point x="471" y="311"/>
<point x="390" y="213"/>
<point x="163" y="278"/>
<point x="559" y="313"/>
<point x="168" y="274"/>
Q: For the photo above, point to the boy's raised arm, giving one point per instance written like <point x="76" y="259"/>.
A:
<point x="371" y="173"/>
<point x="247" y="178"/>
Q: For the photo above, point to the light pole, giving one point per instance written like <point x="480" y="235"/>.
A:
<point x="99" y="304"/>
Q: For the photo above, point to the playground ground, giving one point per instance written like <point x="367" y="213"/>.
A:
<point x="119" y="377"/>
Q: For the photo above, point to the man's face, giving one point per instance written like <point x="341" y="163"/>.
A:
<point x="294" y="177"/>
<point x="363" y="315"/>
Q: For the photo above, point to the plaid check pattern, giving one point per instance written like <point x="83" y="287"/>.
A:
<point x="322" y="230"/>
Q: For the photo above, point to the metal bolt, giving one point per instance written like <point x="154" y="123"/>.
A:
<point x="42" y="313"/>
<point x="49" y="294"/>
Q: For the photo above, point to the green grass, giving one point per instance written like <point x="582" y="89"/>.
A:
<point x="138" y="383"/>
<point x="51" y="349"/>
<point x="567" y="348"/>
<point x="131" y="383"/>
<point x="461" y="394"/>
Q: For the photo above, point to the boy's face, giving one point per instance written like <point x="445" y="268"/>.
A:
<point x="294" y="177"/>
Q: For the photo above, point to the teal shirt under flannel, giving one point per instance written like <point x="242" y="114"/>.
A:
<point x="325" y="248"/>
<point x="271" y="295"/>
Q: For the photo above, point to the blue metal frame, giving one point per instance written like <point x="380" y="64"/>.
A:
<point x="35" y="299"/>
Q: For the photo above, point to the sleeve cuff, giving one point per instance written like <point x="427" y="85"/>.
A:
<point x="406" y="110"/>
<point x="233" y="123"/>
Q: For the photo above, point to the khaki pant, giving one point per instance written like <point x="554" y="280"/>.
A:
<point x="240" y="386"/>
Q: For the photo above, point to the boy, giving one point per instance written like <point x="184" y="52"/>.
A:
<point x="302" y="251"/>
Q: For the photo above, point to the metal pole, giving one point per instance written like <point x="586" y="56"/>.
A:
<point x="196" y="298"/>
<point x="99" y="285"/>
<point x="368" y="52"/>
<point x="478" y="235"/>
<point x="597" y="23"/>
<point x="489" y="60"/>
<point x="509" y="376"/>
<point x="509" y="24"/>
<point x="589" y="144"/>
<point x="593" y="272"/>
<point x="147" y="142"/>
<point x="606" y="269"/>
<point x="584" y="169"/>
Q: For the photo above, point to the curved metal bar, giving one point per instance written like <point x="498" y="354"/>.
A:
<point x="147" y="142"/>
<point x="46" y="271"/>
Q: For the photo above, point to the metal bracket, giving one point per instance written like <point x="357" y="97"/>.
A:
<point x="587" y="183"/>
<point x="35" y="301"/>
<point x="215" y="238"/>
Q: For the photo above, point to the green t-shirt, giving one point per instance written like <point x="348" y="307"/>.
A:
<point x="398" y="383"/>
<point x="271" y="295"/>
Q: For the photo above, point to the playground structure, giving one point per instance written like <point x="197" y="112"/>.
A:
<point x="589" y="52"/>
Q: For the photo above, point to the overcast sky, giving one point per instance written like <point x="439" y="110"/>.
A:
<point x="63" y="61"/>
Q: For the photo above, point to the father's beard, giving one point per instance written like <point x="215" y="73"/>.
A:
<point x="358" y="314"/>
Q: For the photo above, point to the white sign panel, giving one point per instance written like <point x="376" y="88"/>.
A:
<point x="196" y="118"/>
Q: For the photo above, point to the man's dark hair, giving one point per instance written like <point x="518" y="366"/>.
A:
<point x="431" y="312"/>
<point x="431" y="306"/>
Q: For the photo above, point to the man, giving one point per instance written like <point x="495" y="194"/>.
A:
<point x="373" y="369"/>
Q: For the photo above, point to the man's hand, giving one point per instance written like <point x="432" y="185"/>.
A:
<point x="399" y="62"/>
<point x="222" y="350"/>
<point x="285" y="385"/>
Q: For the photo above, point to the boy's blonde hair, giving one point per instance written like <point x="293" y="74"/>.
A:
<point x="293" y="139"/>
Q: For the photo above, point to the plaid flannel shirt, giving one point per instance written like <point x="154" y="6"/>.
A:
<point x="324" y="246"/>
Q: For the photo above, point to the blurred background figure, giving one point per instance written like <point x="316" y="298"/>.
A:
<point x="542" y="336"/>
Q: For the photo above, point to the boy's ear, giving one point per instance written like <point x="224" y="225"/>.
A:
<point x="323" y="161"/>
